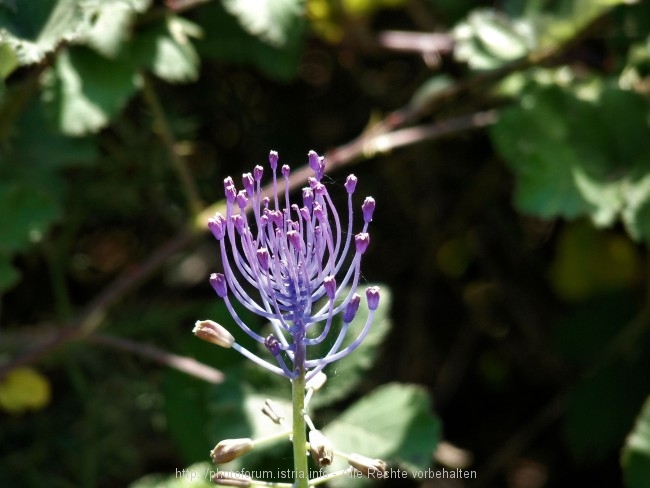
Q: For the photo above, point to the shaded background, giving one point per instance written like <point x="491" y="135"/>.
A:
<point x="506" y="144"/>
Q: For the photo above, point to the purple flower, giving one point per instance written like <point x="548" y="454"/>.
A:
<point x="295" y="265"/>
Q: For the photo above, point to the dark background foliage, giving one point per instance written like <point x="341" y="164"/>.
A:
<point x="507" y="149"/>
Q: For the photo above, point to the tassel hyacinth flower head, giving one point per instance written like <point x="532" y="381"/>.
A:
<point x="301" y="260"/>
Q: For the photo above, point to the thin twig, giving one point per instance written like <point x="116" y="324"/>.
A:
<point x="182" y="363"/>
<point x="161" y="126"/>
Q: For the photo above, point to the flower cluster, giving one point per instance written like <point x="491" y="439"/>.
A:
<point x="301" y="262"/>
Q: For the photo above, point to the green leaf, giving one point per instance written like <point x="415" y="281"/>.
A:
<point x="35" y="28"/>
<point x="86" y="90"/>
<point x="583" y="335"/>
<point x="112" y="23"/>
<point x="270" y="20"/>
<point x="635" y="459"/>
<point x="570" y="160"/>
<point x="579" y="245"/>
<point x="26" y="212"/>
<point x="9" y="276"/>
<point x="226" y="39"/>
<point x="8" y="61"/>
<point x="38" y="149"/>
<point x="166" y="50"/>
<point x="393" y="423"/>
<point x="488" y="39"/>
<point x="591" y="429"/>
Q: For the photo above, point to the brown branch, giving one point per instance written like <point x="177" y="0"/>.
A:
<point x="182" y="363"/>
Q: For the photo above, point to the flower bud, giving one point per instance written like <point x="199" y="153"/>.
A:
<point x="273" y="159"/>
<point x="228" y="478"/>
<point x="361" y="241"/>
<point x="230" y="449"/>
<point x="350" y="184"/>
<point x="351" y="308"/>
<point x="212" y="332"/>
<point x="218" y="282"/>
<point x="272" y="411"/>
<point x="372" y="295"/>
<point x="217" y="226"/>
<point x="322" y="450"/>
<point x="368" y="209"/>
<point x="372" y="468"/>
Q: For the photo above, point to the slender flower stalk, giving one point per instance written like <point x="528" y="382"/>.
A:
<point x="297" y="266"/>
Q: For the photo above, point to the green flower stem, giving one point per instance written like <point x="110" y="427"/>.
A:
<point x="299" y="432"/>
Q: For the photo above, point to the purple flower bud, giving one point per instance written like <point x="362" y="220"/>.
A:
<point x="263" y="258"/>
<point x="231" y="193"/>
<point x="217" y="226"/>
<point x="294" y="239"/>
<point x="329" y="283"/>
<point x="272" y="345"/>
<point x="319" y="189"/>
<point x="368" y="208"/>
<point x="321" y="167"/>
<point x="285" y="170"/>
<point x="276" y="217"/>
<point x="319" y="213"/>
<point x="249" y="184"/>
<point x="218" y="282"/>
<point x="312" y="182"/>
<point x="238" y="222"/>
<point x="242" y="201"/>
<point x="307" y="197"/>
<point x="361" y="241"/>
<point x="304" y="213"/>
<point x="372" y="295"/>
<point x="351" y="184"/>
<point x="351" y="309"/>
<point x="265" y="202"/>
<point x="258" y="171"/>
<point x="314" y="164"/>
<point x="227" y="181"/>
<point x="273" y="159"/>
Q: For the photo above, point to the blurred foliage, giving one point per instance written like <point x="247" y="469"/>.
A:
<point x="514" y="259"/>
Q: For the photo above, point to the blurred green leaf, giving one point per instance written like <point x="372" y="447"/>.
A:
<point x="584" y="333"/>
<point x="635" y="459"/>
<point x="488" y="39"/>
<point x="112" y="22"/>
<point x="35" y="28"/>
<point x="225" y="39"/>
<point x="272" y="21"/>
<point x="9" y="275"/>
<point x="570" y="160"/>
<point x="393" y="423"/>
<point x="86" y="90"/>
<point x="166" y="50"/>
<point x="37" y="149"/>
<point x="25" y="212"/>
<point x="591" y="429"/>
<point x="579" y="245"/>
<point x="8" y="61"/>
